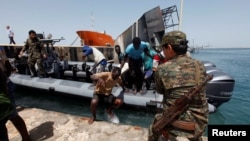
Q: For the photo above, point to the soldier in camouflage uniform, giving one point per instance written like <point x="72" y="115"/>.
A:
<point x="36" y="53"/>
<point x="175" y="78"/>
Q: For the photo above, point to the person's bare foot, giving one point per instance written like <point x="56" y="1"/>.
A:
<point x="91" y="120"/>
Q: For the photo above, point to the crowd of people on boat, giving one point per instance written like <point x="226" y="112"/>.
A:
<point x="171" y="69"/>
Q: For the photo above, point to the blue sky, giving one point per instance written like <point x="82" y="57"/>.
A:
<point x="219" y="23"/>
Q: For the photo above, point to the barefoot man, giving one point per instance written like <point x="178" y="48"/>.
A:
<point x="105" y="81"/>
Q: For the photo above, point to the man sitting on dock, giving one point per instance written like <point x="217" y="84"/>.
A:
<point x="99" y="58"/>
<point x="102" y="93"/>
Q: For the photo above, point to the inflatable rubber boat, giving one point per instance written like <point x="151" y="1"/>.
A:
<point x="70" y="77"/>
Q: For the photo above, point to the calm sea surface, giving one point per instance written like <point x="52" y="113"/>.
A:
<point x="233" y="61"/>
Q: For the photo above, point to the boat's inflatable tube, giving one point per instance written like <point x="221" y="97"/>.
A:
<point x="149" y="99"/>
<point x="83" y="89"/>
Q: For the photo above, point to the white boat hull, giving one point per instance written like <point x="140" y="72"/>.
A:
<point x="84" y="89"/>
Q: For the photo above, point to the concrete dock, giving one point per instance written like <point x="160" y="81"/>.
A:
<point x="55" y="126"/>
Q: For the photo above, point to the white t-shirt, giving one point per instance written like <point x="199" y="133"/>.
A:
<point x="98" y="55"/>
<point x="10" y="32"/>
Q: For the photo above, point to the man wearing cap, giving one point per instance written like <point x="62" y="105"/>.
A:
<point x="173" y="79"/>
<point x="99" y="58"/>
<point x="36" y="54"/>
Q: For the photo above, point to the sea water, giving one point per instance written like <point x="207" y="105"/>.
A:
<point x="234" y="61"/>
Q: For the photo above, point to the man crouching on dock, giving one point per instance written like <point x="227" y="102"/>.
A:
<point x="105" y="83"/>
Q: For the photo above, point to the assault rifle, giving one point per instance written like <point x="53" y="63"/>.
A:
<point x="177" y="108"/>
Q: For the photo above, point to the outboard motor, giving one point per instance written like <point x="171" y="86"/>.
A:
<point x="210" y="69"/>
<point x="208" y="64"/>
<point x="220" y="88"/>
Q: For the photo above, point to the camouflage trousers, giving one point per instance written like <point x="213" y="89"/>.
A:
<point x="32" y="61"/>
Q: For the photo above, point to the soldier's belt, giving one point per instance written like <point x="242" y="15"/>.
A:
<point x="185" y="125"/>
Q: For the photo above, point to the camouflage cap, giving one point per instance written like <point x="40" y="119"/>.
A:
<point x="173" y="37"/>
